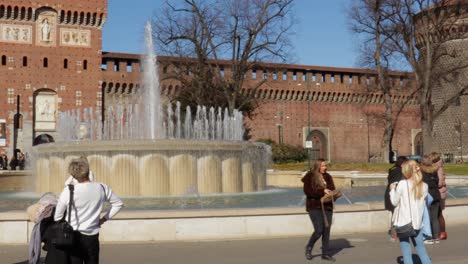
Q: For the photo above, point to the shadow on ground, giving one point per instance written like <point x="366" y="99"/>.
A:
<point x="41" y="261"/>
<point x="416" y="259"/>
<point x="337" y="245"/>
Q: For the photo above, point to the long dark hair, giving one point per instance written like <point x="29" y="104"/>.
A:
<point x="315" y="171"/>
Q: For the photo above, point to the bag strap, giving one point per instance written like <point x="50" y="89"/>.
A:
<point x="409" y="203"/>
<point x="409" y="200"/>
<point x="323" y="210"/>
<point x="71" y="188"/>
<point x="104" y="190"/>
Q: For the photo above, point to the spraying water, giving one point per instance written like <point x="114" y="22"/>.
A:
<point x="147" y="118"/>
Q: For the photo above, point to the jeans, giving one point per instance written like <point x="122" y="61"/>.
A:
<point x="316" y="216"/>
<point x="418" y="243"/>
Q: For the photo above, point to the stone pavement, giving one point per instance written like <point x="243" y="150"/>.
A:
<point x="349" y="248"/>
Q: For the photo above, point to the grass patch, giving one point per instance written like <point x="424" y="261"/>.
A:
<point x="450" y="169"/>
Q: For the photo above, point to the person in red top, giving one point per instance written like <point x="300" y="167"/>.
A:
<point x="317" y="183"/>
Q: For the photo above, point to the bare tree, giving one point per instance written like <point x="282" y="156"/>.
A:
<point x="419" y="31"/>
<point x="370" y="19"/>
<point x="416" y="32"/>
<point x="219" y="42"/>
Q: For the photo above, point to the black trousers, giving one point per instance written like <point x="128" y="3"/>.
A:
<point x="434" y="212"/>
<point x="84" y="251"/>
<point x="316" y="216"/>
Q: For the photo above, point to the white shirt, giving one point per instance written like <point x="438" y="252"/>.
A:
<point x="88" y="200"/>
<point x="402" y="214"/>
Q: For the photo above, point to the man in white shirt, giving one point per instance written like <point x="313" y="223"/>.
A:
<point x="87" y="206"/>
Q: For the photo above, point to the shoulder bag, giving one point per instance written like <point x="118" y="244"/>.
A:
<point x="329" y="197"/>
<point x="405" y="231"/>
<point x="64" y="235"/>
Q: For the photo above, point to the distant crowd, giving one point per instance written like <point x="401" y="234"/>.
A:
<point x="17" y="162"/>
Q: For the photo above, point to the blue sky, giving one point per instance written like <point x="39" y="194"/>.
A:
<point x="322" y="35"/>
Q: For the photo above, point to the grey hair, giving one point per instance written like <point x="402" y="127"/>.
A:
<point x="79" y="168"/>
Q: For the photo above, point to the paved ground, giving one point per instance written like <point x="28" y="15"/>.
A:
<point x="372" y="248"/>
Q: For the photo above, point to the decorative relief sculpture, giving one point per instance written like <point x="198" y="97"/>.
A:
<point x="15" y="33"/>
<point x="45" y="111"/>
<point x="75" y="37"/>
<point x="46" y="28"/>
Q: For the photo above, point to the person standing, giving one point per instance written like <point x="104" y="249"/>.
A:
<point x="4" y="161"/>
<point x="317" y="183"/>
<point x="442" y="190"/>
<point x="409" y="198"/>
<point x="394" y="175"/>
<point x="430" y="177"/>
<point x="87" y="203"/>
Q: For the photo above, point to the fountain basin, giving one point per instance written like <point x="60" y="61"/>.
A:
<point x="158" y="167"/>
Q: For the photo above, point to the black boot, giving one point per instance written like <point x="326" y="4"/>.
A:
<point x="328" y="257"/>
<point x="308" y="253"/>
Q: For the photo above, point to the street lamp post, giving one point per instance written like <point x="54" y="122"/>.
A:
<point x="279" y="124"/>
<point x="309" y="148"/>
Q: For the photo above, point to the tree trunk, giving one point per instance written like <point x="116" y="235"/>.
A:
<point x="426" y="125"/>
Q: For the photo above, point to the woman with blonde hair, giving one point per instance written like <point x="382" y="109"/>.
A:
<point x="318" y="183"/>
<point x="409" y="198"/>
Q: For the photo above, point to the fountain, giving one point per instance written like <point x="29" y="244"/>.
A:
<point x="145" y="149"/>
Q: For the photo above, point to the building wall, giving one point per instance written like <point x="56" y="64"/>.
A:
<point x="63" y="59"/>
<point x="344" y="113"/>
<point x="341" y="105"/>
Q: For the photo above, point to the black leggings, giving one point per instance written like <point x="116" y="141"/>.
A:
<point x="316" y="216"/>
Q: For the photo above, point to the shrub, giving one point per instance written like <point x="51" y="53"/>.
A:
<point x="284" y="153"/>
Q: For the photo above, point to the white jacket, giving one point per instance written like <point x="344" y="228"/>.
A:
<point x="402" y="214"/>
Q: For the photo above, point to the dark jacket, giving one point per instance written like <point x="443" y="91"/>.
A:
<point x="314" y="193"/>
<point x="394" y="175"/>
<point x="432" y="181"/>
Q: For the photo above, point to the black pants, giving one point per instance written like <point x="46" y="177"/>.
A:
<point x="434" y="213"/>
<point x="85" y="250"/>
<point x="316" y="216"/>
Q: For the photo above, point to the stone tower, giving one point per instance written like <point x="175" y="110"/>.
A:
<point x="450" y="132"/>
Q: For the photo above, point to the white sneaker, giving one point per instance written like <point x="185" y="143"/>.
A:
<point x="431" y="241"/>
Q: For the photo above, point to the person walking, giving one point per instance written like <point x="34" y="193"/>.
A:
<point x="431" y="178"/>
<point x="317" y="183"/>
<point x="435" y="157"/>
<point x="409" y="198"/>
<point x="87" y="203"/>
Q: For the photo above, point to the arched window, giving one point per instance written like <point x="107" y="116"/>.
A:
<point x="25" y="61"/>
<point x="65" y="63"/>
<point x="3" y="60"/>
<point x="45" y="63"/>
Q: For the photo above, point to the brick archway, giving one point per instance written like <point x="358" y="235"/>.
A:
<point x="319" y="145"/>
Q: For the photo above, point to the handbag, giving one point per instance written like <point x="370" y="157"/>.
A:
<point x="63" y="234"/>
<point x="329" y="197"/>
<point x="332" y="196"/>
<point x="405" y="231"/>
